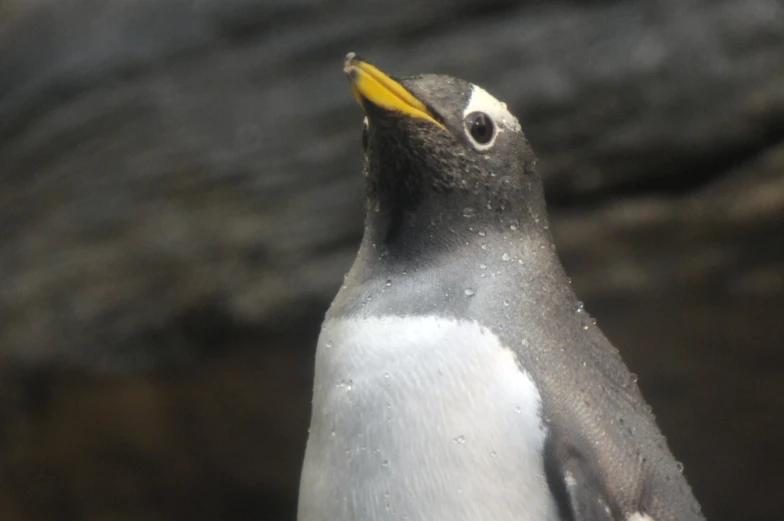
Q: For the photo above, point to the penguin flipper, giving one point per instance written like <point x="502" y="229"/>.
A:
<point x="576" y="483"/>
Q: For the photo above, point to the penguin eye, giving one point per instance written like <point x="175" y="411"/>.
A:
<point x="480" y="127"/>
<point x="365" y="135"/>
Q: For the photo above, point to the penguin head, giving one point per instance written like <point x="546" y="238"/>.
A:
<point x="438" y="149"/>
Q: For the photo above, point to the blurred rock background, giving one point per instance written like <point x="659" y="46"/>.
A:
<point x="180" y="196"/>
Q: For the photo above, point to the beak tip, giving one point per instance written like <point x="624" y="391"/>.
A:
<point x="349" y="65"/>
<point x="350" y="60"/>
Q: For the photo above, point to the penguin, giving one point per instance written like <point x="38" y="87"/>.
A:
<point x="457" y="375"/>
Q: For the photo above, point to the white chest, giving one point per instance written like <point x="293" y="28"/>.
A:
<point x="422" y="418"/>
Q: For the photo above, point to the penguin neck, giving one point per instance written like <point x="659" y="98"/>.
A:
<point x="451" y="266"/>
<point x="447" y="255"/>
<point x="441" y="226"/>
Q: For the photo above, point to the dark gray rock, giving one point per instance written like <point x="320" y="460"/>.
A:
<point x="180" y="196"/>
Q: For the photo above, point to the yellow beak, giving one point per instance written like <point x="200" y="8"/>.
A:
<point x="370" y="84"/>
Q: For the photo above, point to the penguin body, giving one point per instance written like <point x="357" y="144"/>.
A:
<point x="400" y="403"/>
<point x="457" y="375"/>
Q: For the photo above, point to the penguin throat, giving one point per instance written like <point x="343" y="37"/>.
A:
<point x="440" y="224"/>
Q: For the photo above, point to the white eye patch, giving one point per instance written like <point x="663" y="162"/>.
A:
<point x="503" y="120"/>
